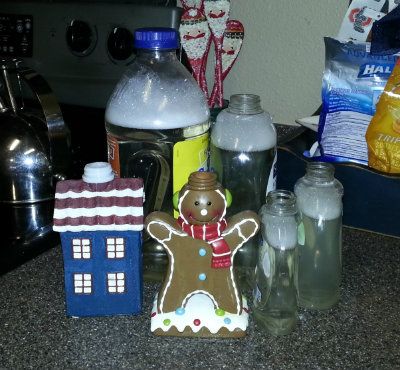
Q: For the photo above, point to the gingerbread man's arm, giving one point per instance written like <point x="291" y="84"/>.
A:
<point x="241" y="227"/>
<point x="162" y="227"/>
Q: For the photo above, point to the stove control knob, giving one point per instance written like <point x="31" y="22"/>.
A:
<point x="20" y="27"/>
<point x="120" y="43"/>
<point x="80" y="37"/>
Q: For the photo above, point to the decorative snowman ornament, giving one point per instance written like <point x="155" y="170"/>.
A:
<point x="200" y="296"/>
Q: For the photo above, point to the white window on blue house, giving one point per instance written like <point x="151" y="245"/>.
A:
<point x="116" y="282"/>
<point x="83" y="283"/>
<point x="115" y="247"/>
<point x="81" y="248"/>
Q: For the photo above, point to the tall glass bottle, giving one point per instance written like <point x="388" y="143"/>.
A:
<point x="275" y="295"/>
<point x="319" y="197"/>
<point x="243" y="153"/>
<point x="157" y="122"/>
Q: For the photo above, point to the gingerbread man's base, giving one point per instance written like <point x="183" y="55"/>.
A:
<point x="200" y="319"/>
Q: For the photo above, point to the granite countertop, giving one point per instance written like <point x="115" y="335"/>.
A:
<point x="362" y="331"/>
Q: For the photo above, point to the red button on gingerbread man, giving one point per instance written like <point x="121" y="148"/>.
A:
<point x="200" y="295"/>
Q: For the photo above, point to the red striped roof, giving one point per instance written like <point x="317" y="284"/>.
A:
<point x="114" y="205"/>
<point x="78" y="186"/>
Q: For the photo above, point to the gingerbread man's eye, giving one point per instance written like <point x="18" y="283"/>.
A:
<point x="196" y="203"/>
<point x="209" y="203"/>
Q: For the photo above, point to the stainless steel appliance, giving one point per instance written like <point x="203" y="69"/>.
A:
<point x="34" y="154"/>
<point x="81" y="49"/>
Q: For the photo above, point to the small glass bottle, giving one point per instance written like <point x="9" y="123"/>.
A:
<point x="243" y="153"/>
<point x="319" y="198"/>
<point x="275" y="295"/>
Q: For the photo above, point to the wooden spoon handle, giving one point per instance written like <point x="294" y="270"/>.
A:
<point x="218" y="71"/>
<point x="203" y="78"/>
<point x="231" y="46"/>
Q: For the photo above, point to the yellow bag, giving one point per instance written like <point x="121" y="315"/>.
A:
<point x="383" y="133"/>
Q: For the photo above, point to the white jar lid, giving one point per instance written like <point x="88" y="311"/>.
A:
<point x="98" y="172"/>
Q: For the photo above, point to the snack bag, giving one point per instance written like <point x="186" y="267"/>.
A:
<point x="352" y="84"/>
<point x="383" y="133"/>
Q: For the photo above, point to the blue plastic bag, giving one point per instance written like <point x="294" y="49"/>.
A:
<point x="352" y="84"/>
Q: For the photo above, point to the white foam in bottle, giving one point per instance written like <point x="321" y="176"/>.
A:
<point x="282" y="231"/>
<point x="244" y="133"/>
<point x="148" y="99"/>
<point x="318" y="204"/>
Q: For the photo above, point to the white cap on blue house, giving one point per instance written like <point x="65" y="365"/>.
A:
<point x="98" y="173"/>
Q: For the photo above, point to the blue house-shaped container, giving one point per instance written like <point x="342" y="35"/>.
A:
<point x="100" y="225"/>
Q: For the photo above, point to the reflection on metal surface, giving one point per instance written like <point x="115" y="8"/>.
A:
<point x="34" y="151"/>
<point x="14" y="144"/>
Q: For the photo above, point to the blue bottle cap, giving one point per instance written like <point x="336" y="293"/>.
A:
<point x="157" y="38"/>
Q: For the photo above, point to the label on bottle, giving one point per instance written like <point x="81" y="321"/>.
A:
<point x="266" y="263"/>
<point x="263" y="268"/>
<point x="301" y="236"/>
<point x="257" y="293"/>
<point x="188" y="156"/>
<point x="113" y="154"/>
<point x="272" y="175"/>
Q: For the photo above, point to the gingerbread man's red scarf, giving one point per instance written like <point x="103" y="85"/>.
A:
<point x="211" y="233"/>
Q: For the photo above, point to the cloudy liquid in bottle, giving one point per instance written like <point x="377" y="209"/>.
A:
<point x="320" y="262"/>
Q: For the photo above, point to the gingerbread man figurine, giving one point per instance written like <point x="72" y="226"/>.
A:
<point x="200" y="295"/>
